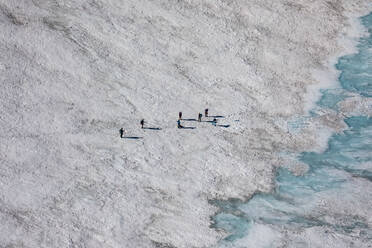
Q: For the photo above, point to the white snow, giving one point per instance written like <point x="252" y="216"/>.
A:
<point x="74" y="72"/>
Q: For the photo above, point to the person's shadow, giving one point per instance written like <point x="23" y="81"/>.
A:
<point x="133" y="137"/>
<point x="225" y="126"/>
<point x="187" y="127"/>
<point x="153" y="128"/>
<point x="188" y="120"/>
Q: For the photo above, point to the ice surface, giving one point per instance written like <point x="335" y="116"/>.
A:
<point x="328" y="205"/>
<point x="74" y="72"/>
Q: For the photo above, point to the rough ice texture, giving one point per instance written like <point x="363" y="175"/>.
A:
<point x="74" y="72"/>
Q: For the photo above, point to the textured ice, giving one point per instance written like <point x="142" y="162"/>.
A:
<point x="327" y="205"/>
<point x="74" y="72"/>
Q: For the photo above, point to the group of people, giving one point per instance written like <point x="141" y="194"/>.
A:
<point x="122" y="131"/>
<point x="142" y="122"/>
<point x="214" y="122"/>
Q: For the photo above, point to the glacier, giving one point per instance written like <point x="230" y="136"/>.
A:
<point x="74" y="72"/>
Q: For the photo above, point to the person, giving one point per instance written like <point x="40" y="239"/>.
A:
<point x="214" y="122"/>
<point x="142" y="123"/>
<point x="179" y="124"/>
<point x="121" y="132"/>
<point x="199" y="117"/>
<point x="206" y="113"/>
<point x="180" y="115"/>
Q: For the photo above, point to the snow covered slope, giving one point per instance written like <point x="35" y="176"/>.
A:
<point x="74" y="72"/>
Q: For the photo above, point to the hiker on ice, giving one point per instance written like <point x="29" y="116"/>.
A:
<point x="214" y="122"/>
<point x="142" y="123"/>
<point x="179" y="124"/>
<point x="199" y="117"/>
<point x="121" y="132"/>
<point x="180" y="115"/>
<point x="206" y="112"/>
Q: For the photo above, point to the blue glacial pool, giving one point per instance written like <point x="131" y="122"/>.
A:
<point x="291" y="205"/>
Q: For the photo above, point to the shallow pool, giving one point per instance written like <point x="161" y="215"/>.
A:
<point x="268" y="220"/>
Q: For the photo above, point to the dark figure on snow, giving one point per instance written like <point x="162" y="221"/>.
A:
<point x="199" y="117"/>
<point x="206" y="113"/>
<point x="180" y="115"/>
<point x="179" y="124"/>
<point x="214" y="122"/>
<point x="121" y="132"/>
<point x="142" y="123"/>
